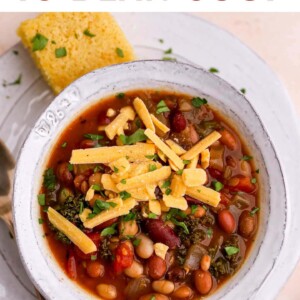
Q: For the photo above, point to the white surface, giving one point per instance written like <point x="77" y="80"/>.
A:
<point x="199" y="42"/>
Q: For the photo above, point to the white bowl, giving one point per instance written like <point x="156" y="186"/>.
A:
<point x="37" y="258"/>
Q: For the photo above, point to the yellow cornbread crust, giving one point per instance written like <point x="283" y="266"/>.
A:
<point x="91" y="41"/>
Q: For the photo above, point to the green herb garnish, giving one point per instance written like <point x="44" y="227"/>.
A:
<point x="246" y="157"/>
<point x="138" y="136"/>
<point x="243" y="91"/>
<point x="70" y="167"/>
<point x="120" y="52"/>
<point x="120" y="95"/>
<point x="168" y="191"/>
<point x="123" y="181"/>
<point x="166" y="184"/>
<point x="257" y="171"/>
<point x="213" y="70"/>
<point x="96" y="187"/>
<point x="179" y="172"/>
<point x="136" y="242"/>
<point x="60" y="52"/>
<point x="161" y="41"/>
<point x="169" y="51"/>
<point x="88" y="33"/>
<point x="42" y="199"/>
<point x="93" y="257"/>
<point x="100" y="206"/>
<point x="41" y="221"/>
<point x="162" y="107"/>
<point x="116" y="170"/>
<point x="209" y="233"/>
<point x="49" y="179"/>
<point x="64" y="144"/>
<point x="152" y="168"/>
<point x="254" y="211"/>
<point x="253" y="180"/>
<point x="218" y="186"/>
<point x="167" y="58"/>
<point x="180" y="224"/>
<point x="152" y="157"/>
<point x="109" y="230"/>
<point x="231" y="250"/>
<point x="39" y="42"/>
<point x="194" y="208"/>
<point x="152" y="216"/>
<point x="124" y="195"/>
<point x="131" y="216"/>
<point x="93" y="137"/>
<point x="186" y="161"/>
<point x="198" y="102"/>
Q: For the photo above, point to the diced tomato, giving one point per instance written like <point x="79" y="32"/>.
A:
<point x="71" y="266"/>
<point x="123" y="258"/>
<point x="244" y="184"/>
<point x="228" y="139"/>
<point x="225" y="199"/>
<point x="216" y="174"/>
<point x="96" y="238"/>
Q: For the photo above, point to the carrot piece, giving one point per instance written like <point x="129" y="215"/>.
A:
<point x="228" y="139"/>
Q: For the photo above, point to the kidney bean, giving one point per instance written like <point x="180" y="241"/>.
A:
<point x="178" y="122"/>
<point x="176" y="274"/>
<point x="183" y="292"/>
<point x="226" y="221"/>
<point x="103" y="119"/>
<point x="159" y="232"/>
<point x="63" y="173"/>
<point x="203" y="281"/>
<point x="247" y="224"/>
<point x="156" y="267"/>
<point x="86" y="144"/>
<point x="95" y="269"/>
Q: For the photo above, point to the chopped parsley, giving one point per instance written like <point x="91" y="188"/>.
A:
<point x="254" y="211"/>
<point x="41" y="199"/>
<point x="123" y="181"/>
<point x="120" y="52"/>
<point x="161" y="41"/>
<point x="198" y="102"/>
<point x="81" y="207"/>
<point x="153" y="297"/>
<point x="246" y="157"/>
<point x="64" y="144"/>
<point x="39" y="42"/>
<point x="93" y="137"/>
<point x="136" y="242"/>
<point x="131" y="216"/>
<point x="41" y="221"/>
<point x="179" y="172"/>
<point x="93" y="257"/>
<point x="218" y="186"/>
<point x="231" y="250"/>
<point x="138" y="136"/>
<point x="152" y="216"/>
<point x="152" y="157"/>
<point x="167" y="58"/>
<point x="257" y="171"/>
<point x="124" y="195"/>
<point x="100" y="206"/>
<point x="253" y="180"/>
<point x="152" y="168"/>
<point x="168" y="191"/>
<point x="166" y="184"/>
<point x="120" y="95"/>
<point x="175" y="212"/>
<point x="109" y="230"/>
<point x="96" y="187"/>
<point x="213" y="70"/>
<point x="162" y="107"/>
<point x="209" y="232"/>
<point x="180" y="224"/>
<point x="194" y="209"/>
<point x="169" y="51"/>
<point x="16" y="82"/>
<point x="116" y="170"/>
<point x="49" y="179"/>
<point x="243" y="91"/>
<point x="186" y="161"/>
<point x="98" y="168"/>
<point x="60" y="52"/>
<point x="70" y="167"/>
<point x="88" y="33"/>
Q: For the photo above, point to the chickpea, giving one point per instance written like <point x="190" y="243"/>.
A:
<point x="157" y="267"/>
<point x="107" y="291"/>
<point x="95" y="269"/>
<point x="205" y="262"/>
<point x="154" y="296"/>
<point x="128" y="228"/>
<point x="145" y="248"/>
<point x="95" y="179"/>
<point x="203" y="281"/>
<point x="227" y="221"/>
<point x="135" y="270"/>
<point x="183" y="292"/>
<point x="163" y="286"/>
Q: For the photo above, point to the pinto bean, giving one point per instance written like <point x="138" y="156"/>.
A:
<point x="205" y="262"/>
<point x="135" y="270"/>
<point x="183" y="292"/>
<point x="63" y="173"/>
<point x="95" y="179"/>
<point x="95" y="269"/>
<point x="154" y="296"/>
<point x="203" y="281"/>
<point x="107" y="291"/>
<point x="247" y="224"/>
<point x="163" y="286"/>
<point x="159" y="232"/>
<point x="226" y="221"/>
<point x="156" y="267"/>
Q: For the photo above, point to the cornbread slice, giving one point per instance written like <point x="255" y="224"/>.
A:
<point x="66" y="46"/>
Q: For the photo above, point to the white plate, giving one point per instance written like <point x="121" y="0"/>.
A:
<point x="192" y="40"/>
